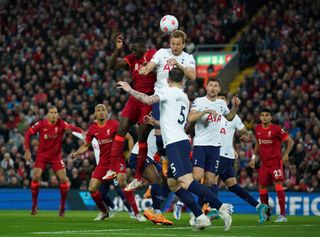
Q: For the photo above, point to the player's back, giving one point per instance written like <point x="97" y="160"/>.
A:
<point x="174" y="107"/>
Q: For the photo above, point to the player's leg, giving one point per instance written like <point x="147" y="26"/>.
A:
<point x="265" y="179"/>
<point x="159" y="192"/>
<point x="117" y="147"/>
<point x="104" y="189"/>
<point x="34" y="186"/>
<point x="143" y="132"/>
<point x="198" y="164"/>
<point x="181" y="168"/>
<point x="97" y="198"/>
<point x="64" y="188"/>
<point x="278" y="179"/>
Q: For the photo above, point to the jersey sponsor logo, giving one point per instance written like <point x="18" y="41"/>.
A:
<point x="167" y="67"/>
<point x="264" y="141"/>
<point x="211" y="118"/>
<point x="50" y="136"/>
<point x="104" y="141"/>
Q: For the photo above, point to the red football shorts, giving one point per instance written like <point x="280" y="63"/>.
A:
<point x="102" y="168"/>
<point x="56" y="163"/>
<point x="135" y="110"/>
<point x="270" y="172"/>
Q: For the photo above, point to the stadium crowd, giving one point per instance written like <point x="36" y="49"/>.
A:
<point x="55" y="52"/>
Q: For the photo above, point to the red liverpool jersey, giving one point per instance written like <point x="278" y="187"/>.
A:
<point x="50" y="137"/>
<point x="141" y="83"/>
<point x="269" y="140"/>
<point x="105" y="135"/>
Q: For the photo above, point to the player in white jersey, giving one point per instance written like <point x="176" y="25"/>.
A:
<point x="174" y="106"/>
<point x="206" y="112"/>
<point x="227" y="157"/>
<point x="164" y="60"/>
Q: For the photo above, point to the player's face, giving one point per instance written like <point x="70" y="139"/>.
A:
<point x="176" y="45"/>
<point x="265" y="118"/>
<point x="101" y="112"/>
<point x="52" y="115"/>
<point x="137" y="50"/>
<point x="213" y="89"/>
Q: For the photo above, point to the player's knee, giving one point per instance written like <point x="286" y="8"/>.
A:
<point x="198" y="176"/>
<point x="278" y="187"/>
<point x="173" y="185"/>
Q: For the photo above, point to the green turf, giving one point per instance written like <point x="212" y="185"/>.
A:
<point x="80" y="223"/>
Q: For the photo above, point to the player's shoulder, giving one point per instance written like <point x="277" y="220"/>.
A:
<point x="151" y="51"/>
<point x="258" y="127"/>
<point x="113" y="122"/>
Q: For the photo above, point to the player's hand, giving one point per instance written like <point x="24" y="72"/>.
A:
<point x="252" y="163"/>
<point x="245" y="138"/>
<point x="73" y="155"/>
<point x="236" y="101"/>
<point x="119" y="42"/>
<point x="123" y="85"/>
<point x="211" y="111"/>
<point x="149" y="120"/>
<point x="285" y="160"/>
<point x="172" y="62"/>
<point x="27" y="155"/>
<point x="143" y="71"/>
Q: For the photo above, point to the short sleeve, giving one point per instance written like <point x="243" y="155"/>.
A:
<point x="281" y="133"/>
<point x="162" y="94"/>
<point x="191" y="62"/>
<point x="129" y="59"/>
<point x="238" y="123"/>
<point x="157" y="57"/>
<point x="89" y="135"/>
<point x="225" y="109"/>
<point x="195" y="105"/>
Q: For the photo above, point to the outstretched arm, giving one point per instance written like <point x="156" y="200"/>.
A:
<point x="146" y="99"/>
<point x="114" y="61"/>
<point x="235" y="106"/>
<point x="145" y="70"/>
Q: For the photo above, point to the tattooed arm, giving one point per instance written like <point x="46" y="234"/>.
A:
<point x="146" y="99"/>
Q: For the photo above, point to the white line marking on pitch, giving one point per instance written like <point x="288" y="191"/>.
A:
<point x="109" y="231"/>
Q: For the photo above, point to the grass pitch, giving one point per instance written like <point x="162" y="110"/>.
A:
<point x="80" y="223"/>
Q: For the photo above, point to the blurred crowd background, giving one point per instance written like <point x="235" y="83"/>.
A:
<point x="56" y="53"/>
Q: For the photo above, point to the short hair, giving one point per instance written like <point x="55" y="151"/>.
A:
<point x="99" y="105"/>
<point x="266" y="110"/>
<point x="51" y="107"/>
<point x="179" y="34"/>
<point x="176" y="74"/>
<point x="139" y="40"/>
<point x="223" y="94"/>
<point x="212" y="79"/>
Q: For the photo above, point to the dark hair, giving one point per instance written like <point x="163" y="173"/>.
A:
<point x="266" y="110"/>
<point x="176" y="74"/>
<point x="51" y="107"/>
<point x="213" y="79"/>
<point x="223" y="94"/>
<point x="139" y="40"/>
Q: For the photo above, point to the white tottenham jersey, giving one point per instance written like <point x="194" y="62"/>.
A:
<point x="160" y="59"/>
<point x="152" y="146"/>
<point x="174" y="108"/>
<point x="207" y="127"/>
<point x="94" y="143"/>
<point x="227" y="129"/>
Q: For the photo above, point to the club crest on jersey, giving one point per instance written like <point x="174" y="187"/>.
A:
<point x="56" y="129"/>
<point x="269" y="133"/>
<point x="211" y="118"/>
<point x="108" y="131"/>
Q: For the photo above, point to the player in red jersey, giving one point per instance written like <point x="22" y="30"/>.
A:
<point x="51" y="131"/>
<point x="268" y="146"/>
<point x="104" y="131"/>
<point x="134" y="111"/>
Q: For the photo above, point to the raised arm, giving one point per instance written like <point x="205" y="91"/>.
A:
<point x="235" y="106"/>
<point x="114" y="61"/>
<point x="146" y="99"/>
<point x="189" y="72"/>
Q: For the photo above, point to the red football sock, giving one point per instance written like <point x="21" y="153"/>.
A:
<point x="142" y="156"/>
<point x="116" y="151"/>
<point x="97" y="198"/>
<point x="132" y="201"/>
<point x="34" y="192"/>
<point x="264" y="198"/>
<point x="64" y="188"/>
<point x="281" y="198"/>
